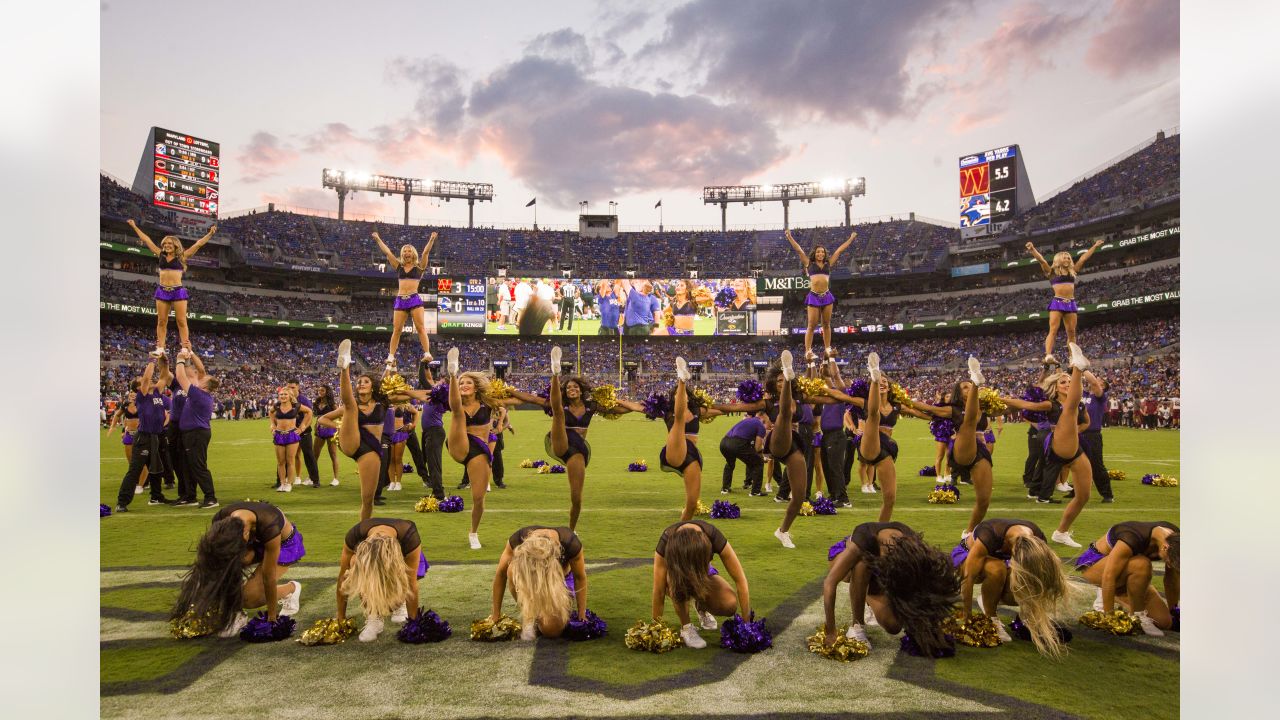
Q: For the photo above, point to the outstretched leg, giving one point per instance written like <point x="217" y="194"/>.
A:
<point x="397" y="326"/>
<point x="349" y="429"/>
<point x="1066" y="443"/>
<point x="420" y="324"/>
<point x="559" y="434"/>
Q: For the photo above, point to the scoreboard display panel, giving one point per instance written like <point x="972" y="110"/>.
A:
<point x="460" y="305"/>
<point x="989" y="183"/>
<point x="186" y="172"/>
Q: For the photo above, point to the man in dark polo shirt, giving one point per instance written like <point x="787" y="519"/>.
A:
<point x="194" y="421"/>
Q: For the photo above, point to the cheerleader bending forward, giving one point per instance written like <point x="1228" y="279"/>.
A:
<point x="361" y="417"/>
<point x="409" y="267"/>
<point x="784" y="443"/>
<point x="819" y="303"/>
<point x="170" y="295"/>
<point x="381" y="564"/>
<point x="548" y="576"/>
<point x="1011" y="562"/>
<point x="1062" y="308"/>
<point x="909" y="584"/>
<point x="1119" y="563"/>
<point x="682" y="570"/>
<point x="242" y="534"/>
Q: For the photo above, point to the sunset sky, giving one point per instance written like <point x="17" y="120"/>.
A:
<point x="632" y="102"/>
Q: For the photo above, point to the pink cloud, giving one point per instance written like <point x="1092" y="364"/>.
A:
<point x="1140" y="36"/>
<point x="265" y="156"/>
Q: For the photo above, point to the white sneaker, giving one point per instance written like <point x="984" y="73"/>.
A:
<point x="298" y="481"/>
<point x="1148" y="625"/>
<point x="234" y="627"/>
<point x="289" y="603"/>
<point x="682" y="370"/>
<point x="965" y="535"/>
<point x="857" y="632"/>
<point x="946" y="479"/>
<point x="830" y="353"/>
<point x="788" y="368"/>
<point x="390" y="361"/>
<point x="1097" y="602"/>
<point x="873" y="366"/>
<point x="1064" y="538"/>
<point x="158" y="352"/>
<point x="372" y="628"/>
<point x="334" y="482"/>
<point x="137" y="490"/>
<point x="451" y="358"/>
<point x="975" y="371"/>
<point x="474" y="539"/>
<point x="785" y="539"/>
<point x="981" y="605"/>
<point x="707" y="620"/>
<point x="428" y="357"/>
<point x="691" y="638"/>
<point x="400" y="614"/>
<point x="529" y="631"/>
<point x="1050" y="360"/>
<point x="869" y="618"/>
<point x="556" y="354"/>
<point x="286" y="488"/>
<point x="344" y="354"/>
<point x="1063" y="487"/>
<point x="1001" y="631"/>
<point x="1078" y="360"/>
<point x="280" y="488"/>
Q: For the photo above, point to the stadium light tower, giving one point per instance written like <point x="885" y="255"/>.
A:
<point x="344" y="182"/>
<point x="843" y="189"/>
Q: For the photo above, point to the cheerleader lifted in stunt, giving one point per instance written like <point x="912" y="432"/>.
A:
<point x="409" y="266"/>
<point x="170" y="295"/>
<point x="1062" y="308"/>
<point x="820" y="302"/>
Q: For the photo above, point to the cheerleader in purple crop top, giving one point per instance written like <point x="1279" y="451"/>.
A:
<point x="406" y="420"/>
<point x="409" y="267"/>
<point x="571" y="407"/>
<point x="820" y="301"/>
<point x="1062" y="308"/>
<point x="286" y="417"/>
<point x="170" y="295"/>
<point x="359" y="422"/>
<point x="126" y="416"/>
<point x="325" y="436"/>
<point x="684" y="311"/>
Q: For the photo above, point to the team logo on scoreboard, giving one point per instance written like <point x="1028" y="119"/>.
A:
<point x="975" y="210"/>
<point x="975" y="180"/>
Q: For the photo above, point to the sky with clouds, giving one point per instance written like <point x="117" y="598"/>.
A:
<point x="636" y="102"/>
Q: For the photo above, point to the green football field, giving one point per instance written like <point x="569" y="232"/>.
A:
<point x="146" y="674"/>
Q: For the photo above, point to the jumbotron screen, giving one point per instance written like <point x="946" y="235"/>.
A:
<point x="186" y="171"/>
<point x="676" y="307"/>
<point x="988" y="187"/>
<point x="460" y="305"/>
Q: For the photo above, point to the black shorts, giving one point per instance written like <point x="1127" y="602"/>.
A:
<point x="691" y="455"/>
<point x="797" y="445"/>
<point x="368" y="444"/>
<point x="578" y="445"/>
<point x="984" y="453"/>
<point x="888" y="450"/>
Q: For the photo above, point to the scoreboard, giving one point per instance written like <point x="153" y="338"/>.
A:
<point x="461" y="305"/>
<point x="180" y="172"/>
<point x="993" y="190"/>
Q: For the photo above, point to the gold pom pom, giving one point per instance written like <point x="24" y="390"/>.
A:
<point x="654" y="636"/>
<point x="990" y="402"/>
<point x="605" y="397"/>
<point x="703" y="297"/>
<point x="898" y="395"/>
<point x="526" y="463"/>
<point x="504" y="628"/>
<point x="427" y="504"/>
<point x="394" y="384"/>
<point x="976" y="631"/>
<point x="1117" y="622"/>
<point x="807" y="509"/>
<point x="812" y="387"/>
<point x="499" y="390"/>
<point x="942" y="497"/>
<point x="544" y="469"/>
<point x="190" y="626"/>
<point x="844" y="649"/>
<point x="668" y="316"/>
<point x="1116" y="474"/>
<point x="1164" y="481"/>
<point x="328" y="631"/>
<point x="701" y="510"/>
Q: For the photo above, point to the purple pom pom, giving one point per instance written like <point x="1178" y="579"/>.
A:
<point x="637" y="467"/>
<point x="745" y="636"/>
<point x="725" y="297"/>
<point x="928" y="471"/>
<point x="439" y="395"/>
<point x="557" y="469"/>
<point x="426" y="628"/>
<point x="1035" y="394"/>
<point x="942" y="429"/>
<point x="1148" y="479"/>
<point x="824" y="506"/>
<point x="451" y="504"/>
<point x="539" y="463"/>
<point x="952" y="486"/>
<point x="103" y="511"/>
<point x="909" y="646"/>
<point x="259" y="629"/>
<point x="656" y="406"/>
<point x="545" y="394"/>
<point x="590" y="629"/>
<point x="1020" y="630"/>
<point x="859" y="388"/>
<point x="835" y="550"/>
<point x="725" y="510"/>
<point x="407" y="467"/>
<point x="750" y="391"/>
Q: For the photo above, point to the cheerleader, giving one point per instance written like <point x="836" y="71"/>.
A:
<point x="325" y="435"/>
<point x="908" y="583"/>
<point x="409" y="266"/>
<point x="545" y="566"/>
<point x="286" y="417"/>
<point x="941" y="471"/>
<point x="682" y="570"/>
<point x="170" y="295"/>
<point x="1119" y="564"/>
<point x="126" y="416"/>
<point x="966" y="453"/>
<point x="680" y="455"/>
<point x="242" y="534"/>
<point x="784" y="442"/>
<point x="381" y="564"/>
<point x="432" y="422"/>
<point x="683" y="309"/>
<point x="820" y="302"/>
<point x="1012" y="563"/>
<point x="359" y="421"/>
<point x="1062" y="449"/>
<point x="566" y="441"/>
<point x="877" y="447"/>
<point x="406" y="419"/>
<point x="1062" y="308"/>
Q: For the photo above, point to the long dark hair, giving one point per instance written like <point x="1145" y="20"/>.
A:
<point x="376" y="393"/>
<point x="921" y="586"/>
<point x="826" y="257"/>
<point x="583" y="385"/>
<point x="324" y="399"/>
<point x="215" y="582"/>
<point x="691" y="402"/>
<point x="688" y="554"/>
<point x="771" y="381"/>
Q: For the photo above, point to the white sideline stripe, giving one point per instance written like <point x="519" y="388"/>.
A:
<point x="780" y="507"/>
